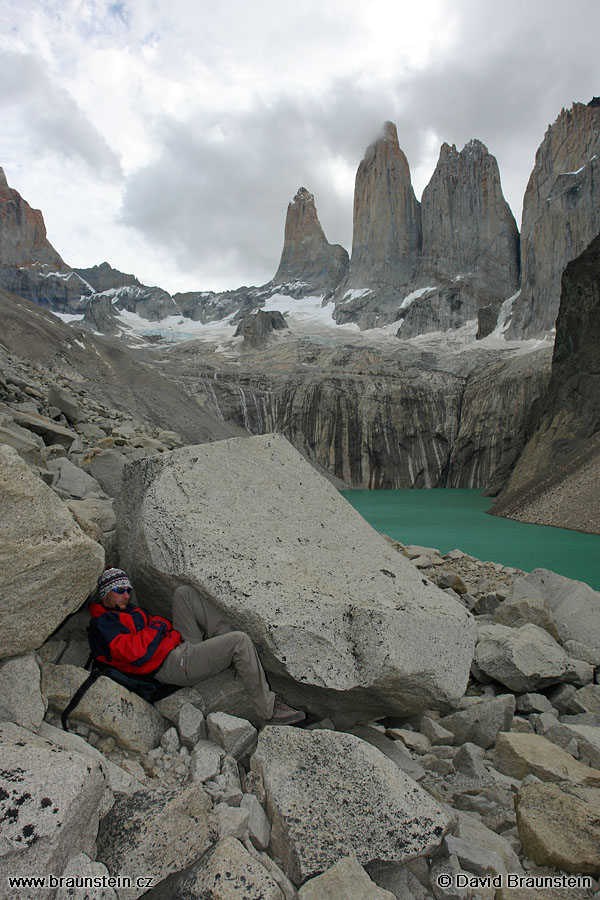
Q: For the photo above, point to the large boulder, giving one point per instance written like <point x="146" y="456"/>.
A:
<point x="50" y="800"/>
<point x="48" y="564"/>
<point x="330" y="794"/>
<point x="346" y="624"/>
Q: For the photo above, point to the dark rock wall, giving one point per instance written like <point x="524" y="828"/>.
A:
<point x="547" y="484"/>
<point x="561" y="215"/>
<point x="416" y="429"/>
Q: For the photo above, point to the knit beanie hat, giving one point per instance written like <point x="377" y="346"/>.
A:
<point x="111" y="579"/>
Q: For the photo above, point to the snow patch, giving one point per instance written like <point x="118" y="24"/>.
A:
<point x="504" y="316"/>
<point x="414" y="295"/>
<point x="355" y="293"/>
<point x="67" y="317"/>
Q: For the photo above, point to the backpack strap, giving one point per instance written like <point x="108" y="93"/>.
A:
<point x="81" y="690"/>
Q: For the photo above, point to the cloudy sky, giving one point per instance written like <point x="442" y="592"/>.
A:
<point x="168" y="137"/>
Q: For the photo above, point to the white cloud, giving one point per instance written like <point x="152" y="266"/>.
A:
<point x="178" y="132"/>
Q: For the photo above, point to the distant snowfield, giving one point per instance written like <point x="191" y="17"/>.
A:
<point x="307" y="317"/>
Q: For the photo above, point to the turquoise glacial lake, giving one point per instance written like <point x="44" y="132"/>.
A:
<point x="456" y="519"/>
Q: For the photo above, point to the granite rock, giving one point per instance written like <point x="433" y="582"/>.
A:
<point x="155" y="834"/>
<point x="49" y="566"/>
<point x="561" y="215"/>
<point x="50" y="805"/>
<point x="345" y="880"/>
<point x="519" y="755"/>
<point x="361" y="631"/>
<point x="559" y="827"/>
<point x="307" y="255"/>
<point x="330" y="793"/>
<point x="107" y="707"/>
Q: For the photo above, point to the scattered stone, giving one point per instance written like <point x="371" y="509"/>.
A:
<point x="578" y="650"/>
<point x="475" y="859"/>
<point x="236" y="736"/>
<point x="48" y="565"/>
<point x="559" y="826"/>
<point x="469" y="761"/>
<point x="220" y="693"/>
<point x="259" y="826"/>
<point x="330" y="793"/>
<point x="345" y="880"/>
<point x="76" y="653"/>
<point x="585" y="700"/>
<point x="533" y="703"/>
<point x="418" y="743"/>
<point x="191" y="725"/>
<point x="560" y="696"/>
<point x="66" y="403"/>
<point x="470" y="829"/>
<point x="170" y="741"/>
<point x="587" y="741"/>
<point x="49" y="431"/>
<point x="394" y="750"/>
<point x="170" y="706"/>
<point x="434" y="732"/>
<point x="29" y="446"/>
<point x="481" y="722"/>
<point x="206" y="761"/>
<point x="72" y="480"/>
<point x="233" y="821"/>
<point x="575" y="607"/>
<point x="51" y="651"/>
<point x="521" y="754"/>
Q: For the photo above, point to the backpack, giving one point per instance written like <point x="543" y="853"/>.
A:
<point x="145" y="686"/>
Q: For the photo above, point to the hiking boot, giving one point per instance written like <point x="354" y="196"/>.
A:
<point x="284" y="714"/>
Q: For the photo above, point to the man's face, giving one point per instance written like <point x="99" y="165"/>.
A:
<point x="117" y="599"/>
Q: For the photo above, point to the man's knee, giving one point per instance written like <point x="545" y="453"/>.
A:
<point x="182" y="593"/>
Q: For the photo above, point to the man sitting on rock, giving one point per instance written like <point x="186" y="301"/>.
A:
<point x="198" y="644"/>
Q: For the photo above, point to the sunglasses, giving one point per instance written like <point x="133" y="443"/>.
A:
<point x="123" y="590"/>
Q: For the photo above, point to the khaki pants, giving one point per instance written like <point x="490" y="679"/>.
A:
<point x="209" y="646"/>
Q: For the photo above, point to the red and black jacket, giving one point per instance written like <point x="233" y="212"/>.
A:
<point x="130" y="640"/>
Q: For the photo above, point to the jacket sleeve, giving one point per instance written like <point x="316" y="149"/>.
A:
<point x="123" y="646"/>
